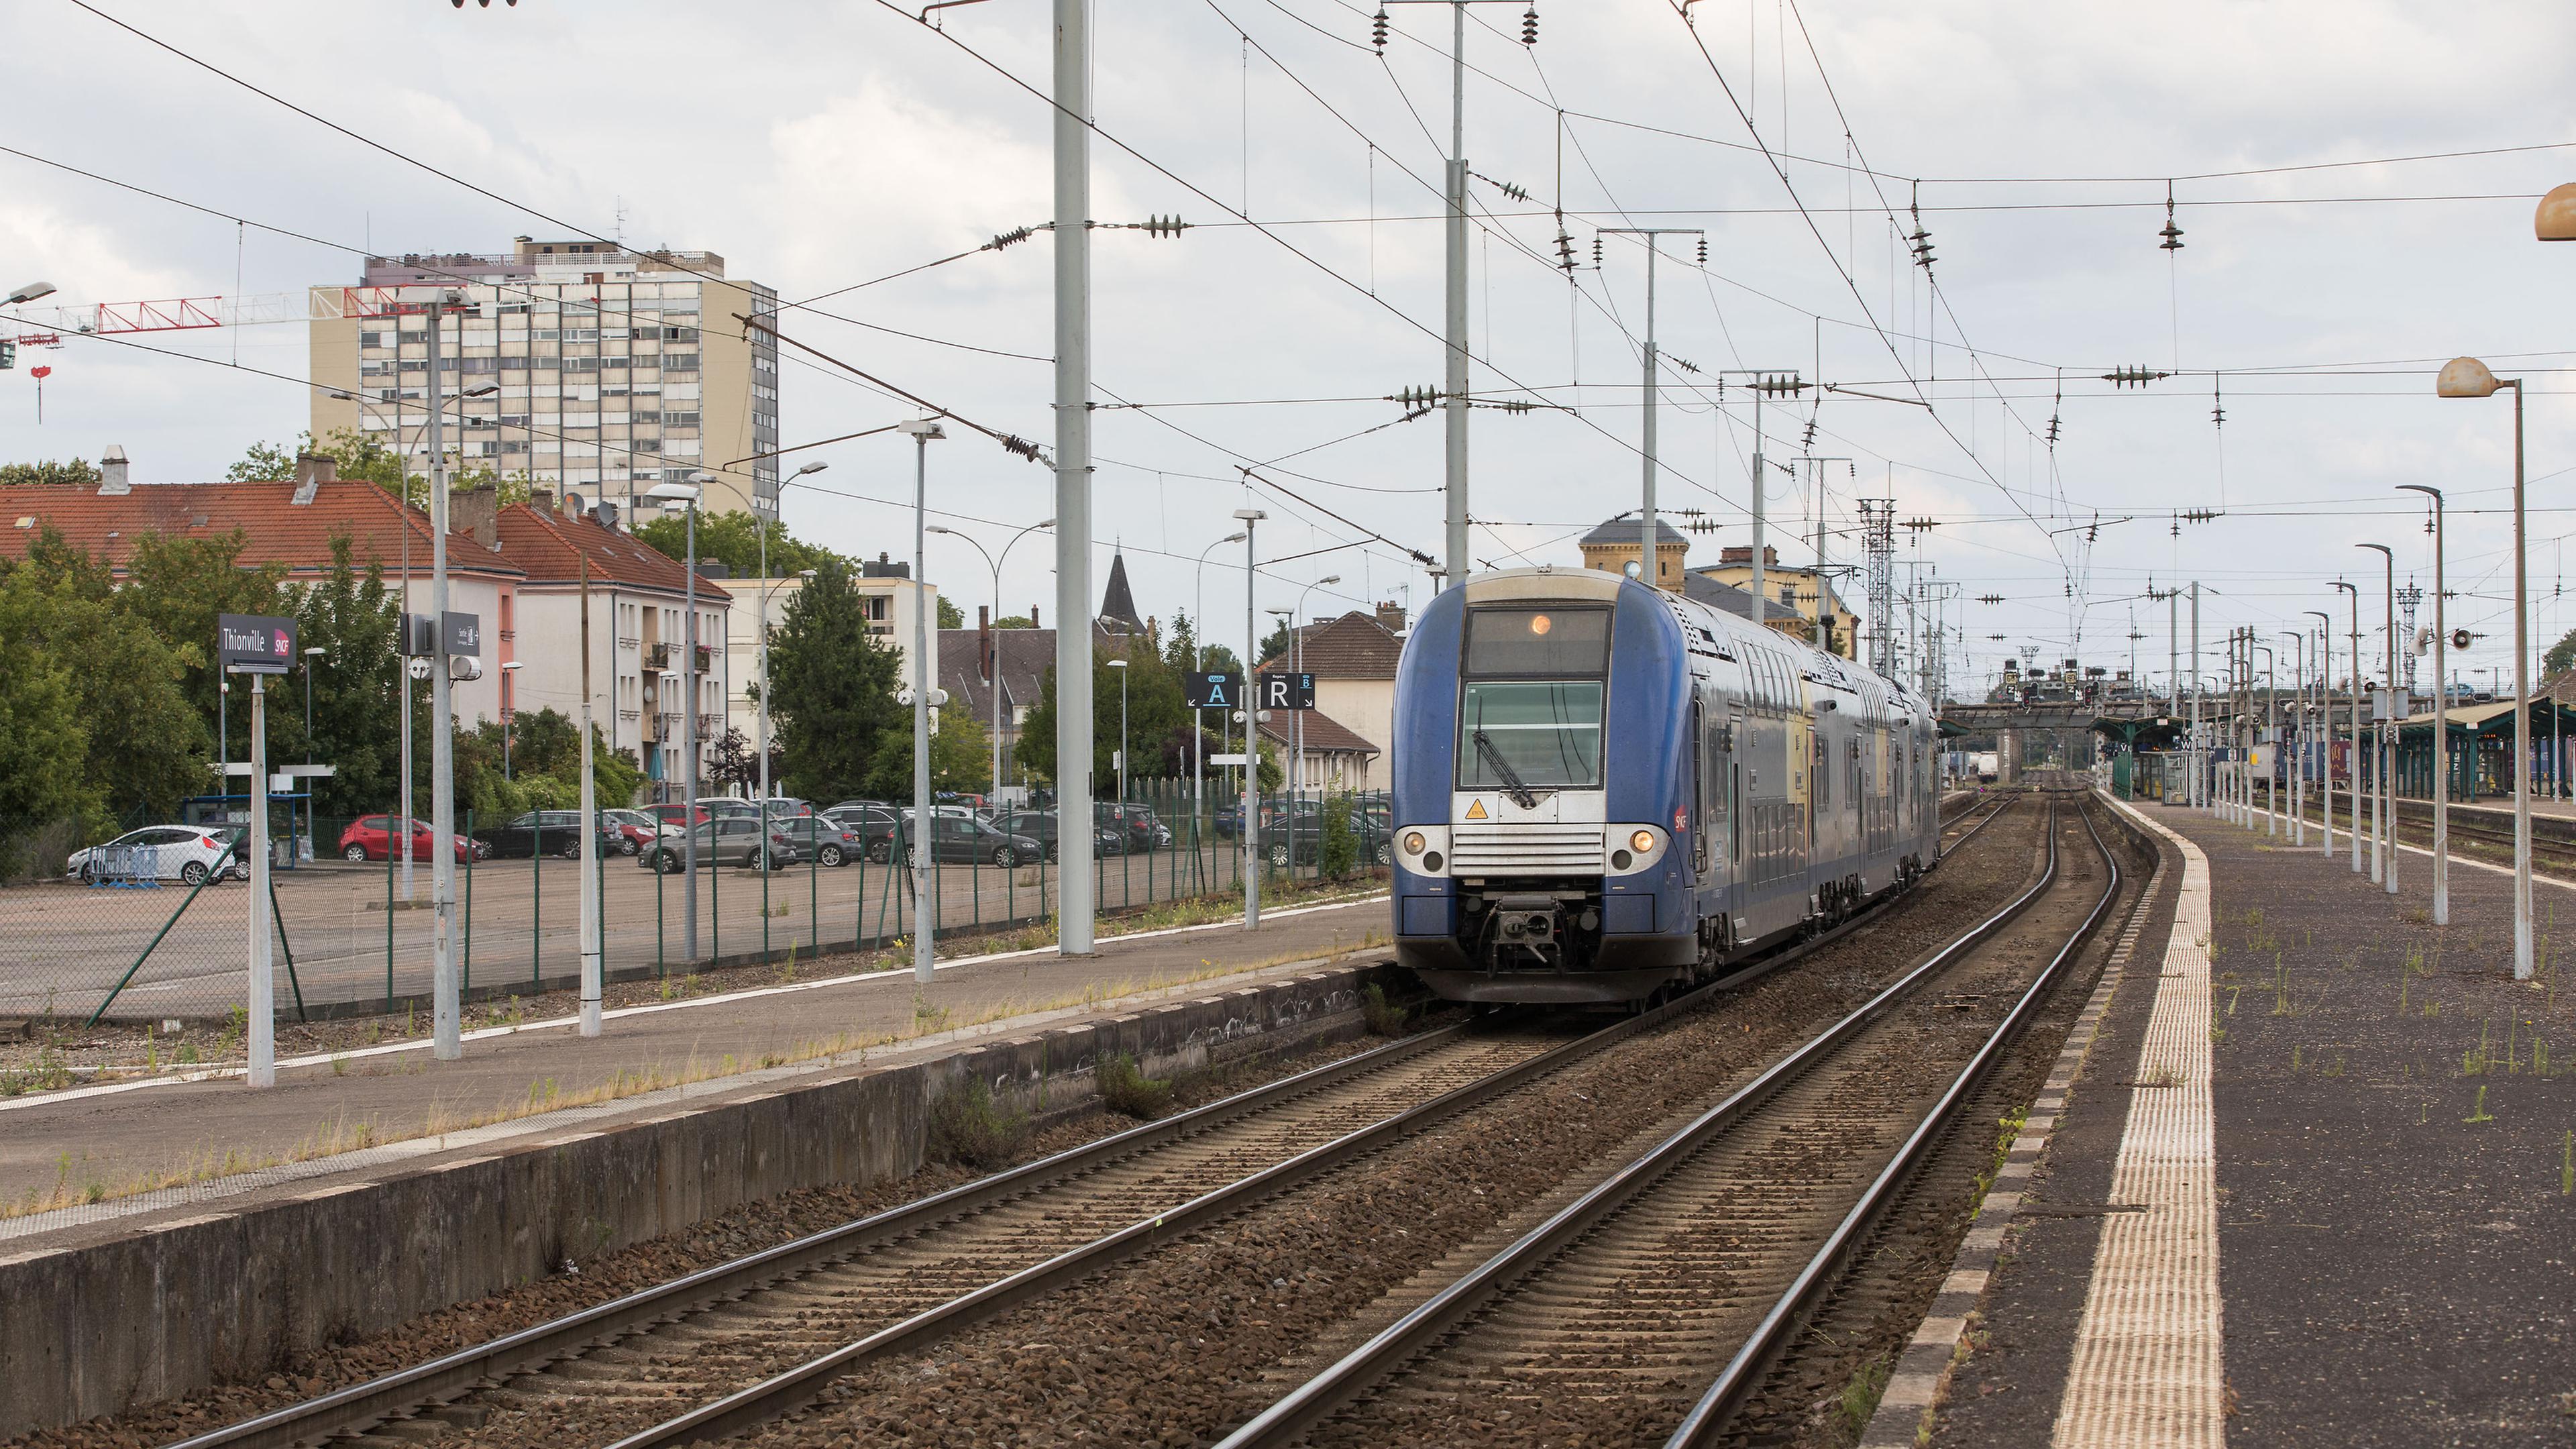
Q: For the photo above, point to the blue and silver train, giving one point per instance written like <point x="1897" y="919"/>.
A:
<point x="1603" y="790"/>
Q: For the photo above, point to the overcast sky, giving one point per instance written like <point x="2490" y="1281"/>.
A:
<point x="830" y="144"/>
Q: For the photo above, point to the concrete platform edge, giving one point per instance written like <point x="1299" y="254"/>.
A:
<point x="1920" y="1376"/>
<point x="165" y="1308"/>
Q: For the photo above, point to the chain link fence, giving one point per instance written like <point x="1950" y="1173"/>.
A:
<point x="146" y="928"/>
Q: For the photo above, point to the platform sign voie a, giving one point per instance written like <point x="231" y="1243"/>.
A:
<point x="1201" y="690"/>
<point x="254" y="643"/>
<point x="1288" y="690"/>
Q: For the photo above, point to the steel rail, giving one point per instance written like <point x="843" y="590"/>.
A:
<point x="361" y="1405"/>
<point x="398" y="1394"/>
<point x="786" y="1392"/>
<point x="1319" y="1397"/>
<point x="1743" y="1373"/>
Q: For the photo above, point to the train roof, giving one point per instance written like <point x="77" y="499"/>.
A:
<point x="1705" y="629"/>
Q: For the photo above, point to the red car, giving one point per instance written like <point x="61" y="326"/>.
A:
<point x="676" y="817"/>
<point x="373" y="837"/>
<point x="633" y="829"/>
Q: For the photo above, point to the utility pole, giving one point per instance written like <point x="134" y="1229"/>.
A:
<point x="925" y="834"/>
<point x="1075" y="901"/>
<point x="1821" y="639"/>
<point x="590" y="932"/>
<point x="446" y="1017"/>
<point x="1649" y="557"/>
<point x="1454" y="380"/>
<point x="1878" y="541"/>
<point x="2195" y="794"/>
<point x="1765" y="384"/>
<point x="2441" y="725"/>
<point x="1250" y="833"/>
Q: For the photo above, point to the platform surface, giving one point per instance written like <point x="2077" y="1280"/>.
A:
<point x="124" y="1137"/>
<point x="2387" y="1164"/>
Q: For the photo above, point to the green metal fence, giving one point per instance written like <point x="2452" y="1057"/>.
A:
<point x="354" y="919"/>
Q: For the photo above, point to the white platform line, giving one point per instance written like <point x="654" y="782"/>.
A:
<point x="2147" y="1368"/>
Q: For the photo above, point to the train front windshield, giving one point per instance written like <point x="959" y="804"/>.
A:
<point x="1530" y="705"/>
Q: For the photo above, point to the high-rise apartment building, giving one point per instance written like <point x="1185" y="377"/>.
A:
<point x="616" y="369"/>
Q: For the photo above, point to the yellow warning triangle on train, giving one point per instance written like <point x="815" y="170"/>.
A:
<point x="1475" y="809"/>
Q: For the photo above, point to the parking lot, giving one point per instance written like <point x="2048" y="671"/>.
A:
<point x="64" y="946"/>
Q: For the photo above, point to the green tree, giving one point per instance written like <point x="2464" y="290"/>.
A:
<point x="950" y="616"/>
<point x="1154" y="711"/>
<point x="1275" y="644"/>
<point x="1340" y="851"/>
<point x="77" y="472"/>
<point x="146" y="746"/>
<point x="732" y="538"/>
<point x="1015" y="621"/>
<point x="351" y="615"/>
<point x="961" y="756"/>
<point x="831" y="686"/>
<point x="2561" y="655"/>
<point x="43" y="750"/>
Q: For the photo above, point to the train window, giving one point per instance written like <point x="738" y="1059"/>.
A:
<point x="1521" y="643"/>
<point x="1544" y="735"/>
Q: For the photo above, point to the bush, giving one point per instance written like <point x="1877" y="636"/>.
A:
<point x="966" y="1128"/>
<point x="1383" y="1018"/>
<point x="1341" y="843"/>
<point x="1125" y="1088"/>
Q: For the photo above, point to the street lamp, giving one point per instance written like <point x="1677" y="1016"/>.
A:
<point x="2383" y="796"/>
<point x="687" y="496"/>
<point x="30" y="292"/>
<point x="509" y="711"/>
<point x="1297" y="723"/>
<point x="1250" y="834"/>
<point x="925" y="921"/>
<point x="995" y="564"/>
<point x="2468" y="377"/>
<point x="1121" y="666"/>
<point x="311" y="654"/>
<point x="2442" y="705"/>
<point x="2325" y="695"/>
<point x="767" y="589"/>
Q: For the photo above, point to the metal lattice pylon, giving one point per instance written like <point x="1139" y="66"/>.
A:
<point x="1878" y="543"/>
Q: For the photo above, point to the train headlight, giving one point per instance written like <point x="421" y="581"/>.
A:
<point x="1414" y="842"/>
<point x="1642" y="842"/>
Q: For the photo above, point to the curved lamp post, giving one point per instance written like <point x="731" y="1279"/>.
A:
<point x="2468" y="377"/>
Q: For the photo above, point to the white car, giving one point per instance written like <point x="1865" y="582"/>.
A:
<point x="187" y="854"/>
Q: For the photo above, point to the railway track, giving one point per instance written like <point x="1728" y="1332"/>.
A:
<point x="718" y="1351"/>
<point x="1711" y="1246"/>
<point x="2552" y="852"/>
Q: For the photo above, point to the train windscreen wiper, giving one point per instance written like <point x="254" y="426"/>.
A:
<point x="1513" y="785"/>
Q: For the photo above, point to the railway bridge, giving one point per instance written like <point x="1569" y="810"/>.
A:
<point x="2074" y="726"/>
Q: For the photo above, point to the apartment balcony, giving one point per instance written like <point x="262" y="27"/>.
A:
<point x="658" y="656"/>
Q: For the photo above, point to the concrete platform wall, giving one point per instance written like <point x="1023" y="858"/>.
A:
<point x="171" y="1307"/>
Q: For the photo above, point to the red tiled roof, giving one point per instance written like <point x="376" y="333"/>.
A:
<point x="1354" y="646"/>
<point x="550" y="547"/>
<point x="1324" y="734"/>
<point x="275" y="528"/>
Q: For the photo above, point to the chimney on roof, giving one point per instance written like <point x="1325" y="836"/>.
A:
<point x="542" y="498"/>
<point x="113" y="475"/>
<point x="476" y="510"/>
<point x="312" y="470"/>
<point x="1742" y="553"/>
<point x="1033" y="616"/>
<point x="1390" y="617"/>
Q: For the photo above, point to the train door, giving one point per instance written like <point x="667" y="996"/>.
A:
<point x="1704" y="756"/>
<point x="1803" y="745"/>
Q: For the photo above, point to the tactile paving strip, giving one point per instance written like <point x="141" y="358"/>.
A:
<point x="2147" y="1369"/>
<point x="1920" y="1378"/>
